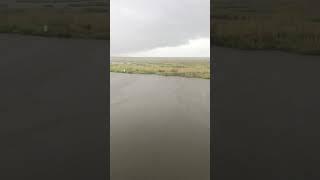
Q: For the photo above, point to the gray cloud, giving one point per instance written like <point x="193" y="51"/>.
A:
<point x="139" y="25"/>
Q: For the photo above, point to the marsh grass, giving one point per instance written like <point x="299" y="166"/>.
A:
<point x="278" y="26"/>
<point x="182" y="68"/>
<point x="60" y="22"/>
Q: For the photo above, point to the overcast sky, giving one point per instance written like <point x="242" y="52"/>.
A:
<point x="165" y="28"/>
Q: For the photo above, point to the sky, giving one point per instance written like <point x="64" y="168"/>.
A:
<point x="160" y="28"/>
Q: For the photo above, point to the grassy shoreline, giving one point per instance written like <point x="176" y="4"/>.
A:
<point x="51" y="22"/>
<point x="284" y="50"/>
<point x="181" y="68"/>
<point x="272" y="26"/>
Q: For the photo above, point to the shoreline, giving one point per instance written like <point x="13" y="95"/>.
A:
<point x="188" y="69"/>
<point x="274" y="50"/>
<point x="159" y="75"/>
<point x="57" y="36"/>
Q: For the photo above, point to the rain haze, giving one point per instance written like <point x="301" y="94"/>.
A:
<point x="154" y="28"/>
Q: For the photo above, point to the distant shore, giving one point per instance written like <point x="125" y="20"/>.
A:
<point x="182" y="68"/>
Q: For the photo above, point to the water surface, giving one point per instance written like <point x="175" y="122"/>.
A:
<point x="159" y="127"/>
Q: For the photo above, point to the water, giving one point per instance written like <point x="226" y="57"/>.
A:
<point x="159" y="128"/>
<point x="266" y="115"/>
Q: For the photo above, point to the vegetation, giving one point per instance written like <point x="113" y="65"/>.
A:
<point x="289" y="25"/>
<point x="192" y="68"/>
<point x="83" y="22"/>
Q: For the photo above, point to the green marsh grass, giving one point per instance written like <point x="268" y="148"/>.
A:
<point x="278" y="26"/>
<point x="69" y="23"/>
<point x="183" y="68"/>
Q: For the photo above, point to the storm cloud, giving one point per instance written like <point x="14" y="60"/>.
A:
<point x="144" y="25"/>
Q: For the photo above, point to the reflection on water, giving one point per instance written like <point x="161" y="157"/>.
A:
<point x="159" y="128"/>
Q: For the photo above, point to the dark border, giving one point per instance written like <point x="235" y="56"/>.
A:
<point x="108" y="96"/>
<point x="212" y="97"/>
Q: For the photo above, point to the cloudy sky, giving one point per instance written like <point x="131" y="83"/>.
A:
<point x="167" y="28"/>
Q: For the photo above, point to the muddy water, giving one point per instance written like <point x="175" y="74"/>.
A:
<point x="159" y="128"/>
